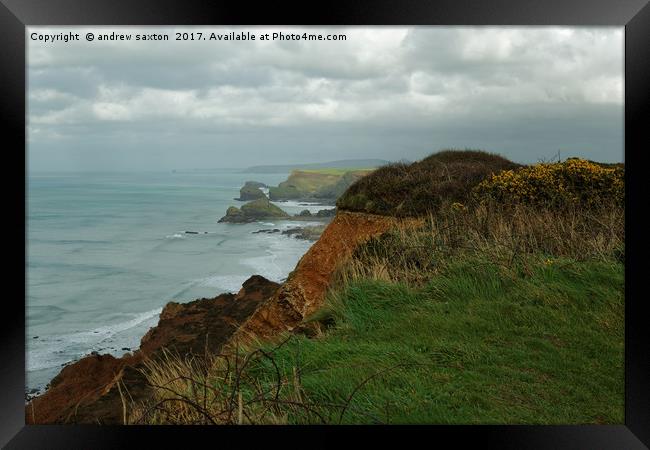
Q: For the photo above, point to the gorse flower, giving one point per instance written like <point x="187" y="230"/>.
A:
<point x="574" y="181"/>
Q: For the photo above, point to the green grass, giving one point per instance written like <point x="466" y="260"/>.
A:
<point x="476" y="345"/>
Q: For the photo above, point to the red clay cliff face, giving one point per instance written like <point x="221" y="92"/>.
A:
<point x="89" y="391"/>
<point x="304" y="291"/>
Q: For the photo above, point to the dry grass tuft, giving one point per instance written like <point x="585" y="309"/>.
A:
<point x="246" y="387"/>
<point x="216" y="390"/>
<point x="504" y="232"/>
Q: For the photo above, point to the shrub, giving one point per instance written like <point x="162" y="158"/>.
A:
<point x="422" y="187"/>
<point x="572" y="182"/>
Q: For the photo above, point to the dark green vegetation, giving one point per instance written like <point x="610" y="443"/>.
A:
<point x="422" y="187"/>
<point x="252" y="211"/>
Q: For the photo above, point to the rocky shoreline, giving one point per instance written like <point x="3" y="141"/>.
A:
<point x="309" y="233"/>
<point x="264" y="209"/>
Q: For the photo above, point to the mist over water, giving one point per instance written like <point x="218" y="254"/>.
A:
<point x="107" y="251"/>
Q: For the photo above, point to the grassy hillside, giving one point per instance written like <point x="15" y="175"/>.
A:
<point x="505" y="308"/>
<point x="470" y="346"/>
<point x="326" y="183"/>
<point x="539" y="342"/>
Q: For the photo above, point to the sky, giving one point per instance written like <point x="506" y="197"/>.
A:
<point x="526" y="93"/>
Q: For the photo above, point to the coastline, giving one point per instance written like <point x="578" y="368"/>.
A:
<point x="375" y="275"/>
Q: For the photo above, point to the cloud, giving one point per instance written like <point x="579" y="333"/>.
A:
<point x="388" y="92"/>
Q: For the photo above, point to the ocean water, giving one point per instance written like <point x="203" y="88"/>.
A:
<point x="105" y="253"/>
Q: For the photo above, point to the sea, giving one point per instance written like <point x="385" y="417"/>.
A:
<point x="106" y="251"/>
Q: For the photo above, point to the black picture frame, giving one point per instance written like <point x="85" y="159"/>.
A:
<point x="634" y="15"/>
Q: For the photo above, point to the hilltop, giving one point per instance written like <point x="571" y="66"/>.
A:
<point x="422" y="187"/>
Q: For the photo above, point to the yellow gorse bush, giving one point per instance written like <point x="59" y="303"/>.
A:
<point x="574" y="181"/>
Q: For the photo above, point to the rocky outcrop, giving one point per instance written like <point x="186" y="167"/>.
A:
<point x="251" y="191"/>
<point x="326" y="212"/>
<point x="310" y="233"/>
<point x="255" y="184"/>
<point x="207" y="323"/>
<point x="261" y="209"/>
<point x="320" y="214"/>
<point x="91" y="390"/>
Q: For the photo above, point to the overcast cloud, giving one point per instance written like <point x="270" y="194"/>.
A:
<point x="388" y="93"/>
